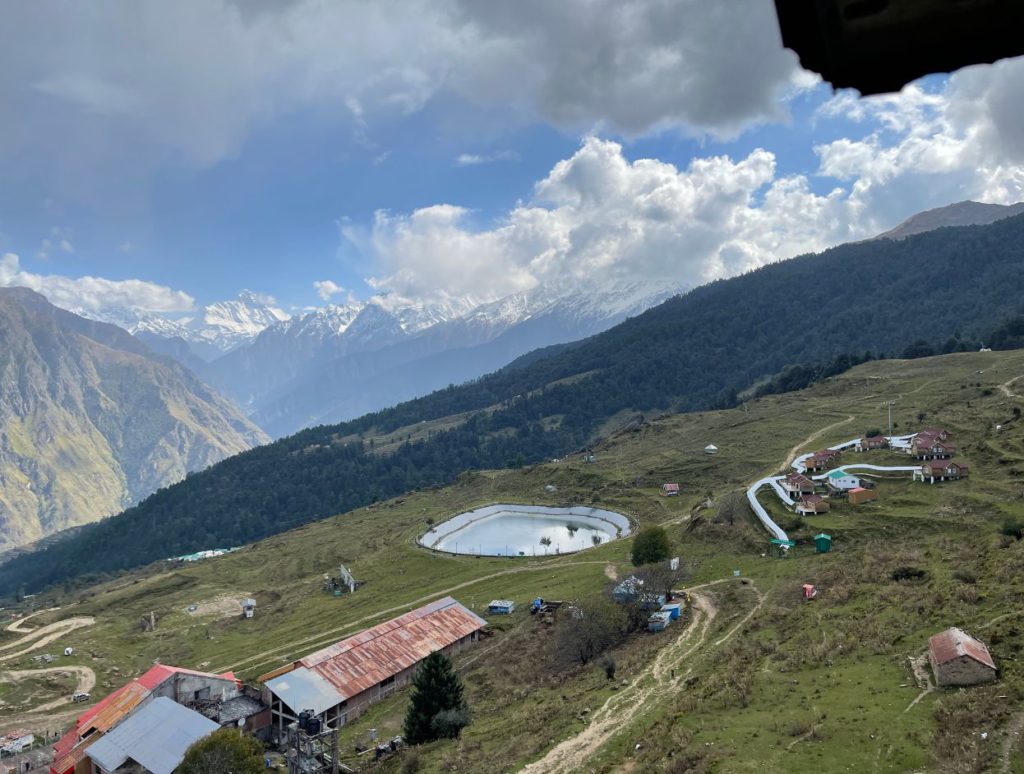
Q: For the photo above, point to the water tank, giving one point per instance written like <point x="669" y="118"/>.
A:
<point x="313" y="726"/>
<point x="304" y="718"/>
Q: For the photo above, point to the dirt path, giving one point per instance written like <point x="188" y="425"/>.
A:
<point x="1005" y="387"/>
<point x="795" y="451"/>
<point x="86" y="682"/>
<point x="662" y="677"/>
<point x="44" y="635"/>
<point x="17" y="625"/>
<point x="1012" y="731"/>
<point x="924" y="682"/>
<point x="329" y="635"/>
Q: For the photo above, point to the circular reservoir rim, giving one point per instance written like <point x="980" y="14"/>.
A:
<point x="620" y="523"/>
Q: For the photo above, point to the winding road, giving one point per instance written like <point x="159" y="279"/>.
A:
<point x="797" y="463"/>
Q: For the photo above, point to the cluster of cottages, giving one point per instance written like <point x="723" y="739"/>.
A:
<point x="933" y="447"/>
<point x="147" y="725"/>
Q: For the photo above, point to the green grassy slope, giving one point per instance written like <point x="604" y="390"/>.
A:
<point x="772" y="683"/>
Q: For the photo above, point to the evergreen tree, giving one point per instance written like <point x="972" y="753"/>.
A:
<point x="650" y="545"/>
<point x="223" y="751"/>
<point x="437" y="708"/>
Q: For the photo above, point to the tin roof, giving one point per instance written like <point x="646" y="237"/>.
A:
<point x="156" y="737"/>
<point x="370" y="657"/>
<point x="812" y="499"/>
<point x="110" y="711"/>
<point x="501" y="603"/>
<point x="954" y="643"/>
<point x="303" y="689"/>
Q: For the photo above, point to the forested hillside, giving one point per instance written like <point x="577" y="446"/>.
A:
<point x="947" y="288"/>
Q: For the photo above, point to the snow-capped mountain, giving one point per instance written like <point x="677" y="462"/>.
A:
<point x="390" y="352"/>
<point x="221" y="327"/>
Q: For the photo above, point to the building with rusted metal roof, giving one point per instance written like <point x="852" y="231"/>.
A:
<point x="957" y="658"/>
<point x="197" y="690"/>
<point x="340" y="681"/>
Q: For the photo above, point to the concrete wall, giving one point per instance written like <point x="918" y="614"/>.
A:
<point x="962" y="671"/>
<point x="182" y="688"/>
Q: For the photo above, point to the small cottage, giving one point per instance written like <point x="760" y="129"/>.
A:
<point x="822" y="543"/>
<point x="501" y="607"/>
<point x="812" y="504"/>
<point x="821" y="460"/>
<point x="674" y="609"/>
<point x="872" y="442"/>
<point x="841" y="481"/>
<point x="859" y="495"/>
<point x="809" y="591"/>
<point x="941" y="470"/>
<point x="669" y="490"/>
<point x="957" y="658"/>
<point x="797" y="485"/>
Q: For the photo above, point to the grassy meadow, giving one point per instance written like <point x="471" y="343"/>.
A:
<point x="773" y="684"/>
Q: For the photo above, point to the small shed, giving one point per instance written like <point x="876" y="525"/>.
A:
<point x="501" y="607"/>
<point x="957" y="658"/>
<point x="659" y="621"/>
<point x="711" y="449"/>
<point x="822" y="543"/>
<point x="812" y="504"/>
<point x="859" y="495"/>
<point x="669" y="490"/>
<point x="809" y="591"/>
<point x="248" y="607"/>
<point x="674" y="609"/>
<point x="841" y="481"/>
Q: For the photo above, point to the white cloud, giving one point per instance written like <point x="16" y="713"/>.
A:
<point x="599" y="214"/>
<point x="94" y="294"/>
<point x="194" y="78"/>
<point x="474" y="159"/>
<point x="326" y="289"/>
<point x="923" y="149"/>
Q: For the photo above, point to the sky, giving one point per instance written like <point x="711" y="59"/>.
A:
<point x="166" y="155"/>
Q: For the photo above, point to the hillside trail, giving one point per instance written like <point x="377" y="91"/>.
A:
<point x="1013" y="731"/>
<point x="328" y="635"/>
<point x="86" y="682"/>
<point x="17" y="625"/>
<point x="1005" y="387"/>
<point x="662" y="677"/>
<point x="44" y="635"/>
<point x="793" y="453"/>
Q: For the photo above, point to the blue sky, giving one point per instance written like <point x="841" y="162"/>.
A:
<point x="253" y="147"/>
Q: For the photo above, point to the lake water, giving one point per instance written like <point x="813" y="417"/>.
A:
<point x="526" y="530"/>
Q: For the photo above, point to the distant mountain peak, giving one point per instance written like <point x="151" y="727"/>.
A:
<point x="966" y="213"/>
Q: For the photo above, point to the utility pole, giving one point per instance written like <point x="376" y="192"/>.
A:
<point x="891" y="403"/>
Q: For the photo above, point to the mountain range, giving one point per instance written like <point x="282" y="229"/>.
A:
<point x="945" y="290"/>
<point x="341" y="361"/>
<point x="91" y="420"/>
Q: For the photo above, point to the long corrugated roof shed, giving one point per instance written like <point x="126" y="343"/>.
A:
<point x="372" y="656"/>
<point x="157" y="737"/>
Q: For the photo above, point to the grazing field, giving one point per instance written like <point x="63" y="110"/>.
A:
<point x="754" y="679"/>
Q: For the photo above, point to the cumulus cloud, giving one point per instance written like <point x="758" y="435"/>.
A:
<point x="597" y="214"/>
<point x="326" y="289"/>
<point x="94" y="294"/>
<point x="195" y="77"/>
<point x="928" y="148"/>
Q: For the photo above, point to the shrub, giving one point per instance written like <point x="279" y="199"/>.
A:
<point x="650" y="545"/>
<point x="1013" y="528"/>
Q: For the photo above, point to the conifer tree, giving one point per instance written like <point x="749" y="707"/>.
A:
<point x="437" y="708"/>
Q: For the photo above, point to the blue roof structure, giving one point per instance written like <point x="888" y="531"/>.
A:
<point x="155" y="736"/>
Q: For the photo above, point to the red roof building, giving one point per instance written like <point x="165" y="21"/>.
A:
<point x="669" y="490"/>
<point x="811" y="504"/>
<point x="941" y="470"/>
<point x="182" y="685"/>
<point x="957" y="658"/>
<point x="341" y="680"/>
<point x="798" y="484"/>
